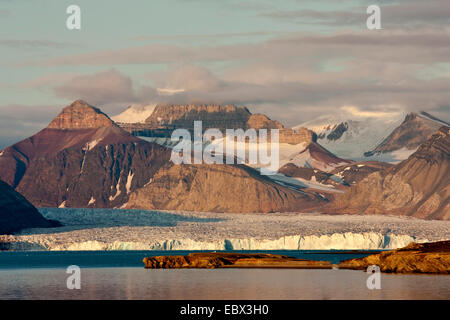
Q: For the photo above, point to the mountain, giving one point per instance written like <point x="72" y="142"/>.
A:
<point x="297" y="146"/>
<point x="342" y="176"/>
<point x="415" y="129"/>
<point x="348" y="133"/>
<point x="161" y="120"/>
<point x="218" y="188"/>
<point x="135" y="114"/>
<point x="212" y="116"/>
<point x="418" y="186"/>
<point x="16" y="213"/>
<point x="313" y="155"/>
<point x="81" y="159"/>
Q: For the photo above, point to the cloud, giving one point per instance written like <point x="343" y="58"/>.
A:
<point x="200" y="37"/>
<point x="16" y="123"/>
<point x="355" y="111"/>
<point x="292" y="76"/>
<point x="26" y="44"/>
<point x="420" y="45"/>
<point x="100" y="88"/>
<point x="393" y="14"/>
<point x="192" y="78"/>
<point x="4" y="13"/>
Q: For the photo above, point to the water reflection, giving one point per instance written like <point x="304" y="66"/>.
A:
<point x="138" y="283"/>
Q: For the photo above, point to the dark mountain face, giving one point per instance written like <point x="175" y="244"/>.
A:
<point x="82" y="159"/>
<point x="338" y="131"/>
<point x="414" y="130"/>
<point x="16" y="213"/>
<point x="418" y="186"/>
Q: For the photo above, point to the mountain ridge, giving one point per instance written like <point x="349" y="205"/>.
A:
<point x="417" y="186"/>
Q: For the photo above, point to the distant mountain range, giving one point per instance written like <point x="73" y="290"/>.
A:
<point x="377" y="136"/>
<point x="84" y="159"/>
<point x="418" y="186"/>
<point x="410" y="134"/>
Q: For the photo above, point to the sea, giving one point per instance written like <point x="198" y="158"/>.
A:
<point x="113" y="275"/>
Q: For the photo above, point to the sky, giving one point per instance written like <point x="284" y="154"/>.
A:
<point x="293" y="60"/>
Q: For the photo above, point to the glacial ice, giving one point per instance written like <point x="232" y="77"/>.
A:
<point x="117" y="229"/>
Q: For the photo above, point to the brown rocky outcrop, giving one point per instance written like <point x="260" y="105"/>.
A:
<point x="81" y="160"/>
<point x="218" y="188"/>
<point x="212" y="116"/>
<point x="291" y="170"/>
<point x="418" y="186"/>
<point x="16" y="213"/>
<point x="80" y="115"/>
<point x="357" y="171"/>
<point x="300" y="135"/>
<point x="415" y="258"/>
<point x="261" y="121"/>
<point x="213" y="260"/>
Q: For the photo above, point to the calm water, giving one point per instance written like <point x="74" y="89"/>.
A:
<point x="120" y="275"/>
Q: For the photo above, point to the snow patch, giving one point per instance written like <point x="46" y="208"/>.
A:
<point x="118" y="192"/>
<point x="91" y="145"/>
<point x="135" y="114"/>
<point x="364" y="130"/>
<point x="129" y="180"/>
<point x="91" y="201"/>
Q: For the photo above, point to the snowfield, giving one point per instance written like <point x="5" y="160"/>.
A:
<point x="365" y="130"/>
<point x="114" y="229"/>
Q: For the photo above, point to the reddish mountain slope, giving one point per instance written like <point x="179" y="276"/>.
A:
<point x="81" y="159"/>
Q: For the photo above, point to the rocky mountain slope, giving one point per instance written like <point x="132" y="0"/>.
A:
<point x="418" y="186"/>
<point x="341" y="176"/>
<point x="218" y="188"/>
<point x="16" y="213"/>
<point x="82" y="159"/>
<point x="414" y="130"/>
<point x="317" y="157"/>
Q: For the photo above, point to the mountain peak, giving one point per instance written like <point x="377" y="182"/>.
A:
<point x="80" y="115"/>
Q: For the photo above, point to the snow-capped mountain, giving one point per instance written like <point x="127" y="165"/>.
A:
<point x="407" y="137"/>
<point x="307" y="154"/>
<point x="350" y="133"/>
<point x="135" y="114"/>
<point x="415" y="187"/>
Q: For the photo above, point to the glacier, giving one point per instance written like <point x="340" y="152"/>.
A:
<point x="118" y="229"/>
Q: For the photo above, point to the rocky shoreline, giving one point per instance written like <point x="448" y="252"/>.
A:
<point x="214" y="260"/>
<point x="433" y="257"/>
